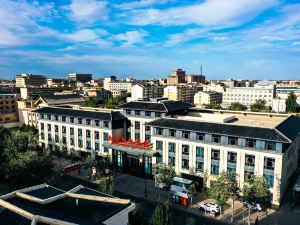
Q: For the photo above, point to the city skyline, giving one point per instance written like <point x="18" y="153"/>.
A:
<point x="150" y="38"/>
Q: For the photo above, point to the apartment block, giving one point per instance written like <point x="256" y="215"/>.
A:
<point x="183" y="92"/>
<point x="146" y="91"/>
<point x="30" y="80"/>
<point x="203" y="98"/>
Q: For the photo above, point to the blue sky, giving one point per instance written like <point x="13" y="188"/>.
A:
<point x="254" y="39"/>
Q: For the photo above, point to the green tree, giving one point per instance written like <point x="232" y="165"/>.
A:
<point x="256" y="191"/>
<point x="166" y="174"/>
<point x="106" y="185"/>
<point x="192" y="190"/>
<point x="118" y="100"/>
<point x="259" y="106"/>
<point x="291" y="103"/>
<point x="213" y="106"/>
<point x="91" y="102"/>
<point x="28" y="128"/>
<point x="236" y="106"/>
<point x="162" y="214"/>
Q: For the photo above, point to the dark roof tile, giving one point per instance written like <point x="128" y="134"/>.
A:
<point x="165" y="106"/>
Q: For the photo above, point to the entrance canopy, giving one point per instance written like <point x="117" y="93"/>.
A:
<point x="133" y="148"/>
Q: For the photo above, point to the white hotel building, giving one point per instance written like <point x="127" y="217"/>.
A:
<point x="198" y="144"/>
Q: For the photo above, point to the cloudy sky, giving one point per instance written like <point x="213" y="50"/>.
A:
<point x="255" y="39"/>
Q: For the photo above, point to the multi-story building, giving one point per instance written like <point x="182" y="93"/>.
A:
<point x="214" y="87"/>
<point x="203" y="98"/>
<point x="264" y="90"/>
<point x="34" y="93"/>
<point x="146" y="91"/>
<point x="80" y="77"/>
<point x="116" y="87"/>
<point x="181" y="92"/>
<point x="8" y="108"/>
<point x="29" y="80"/>
<point x="197" y="144"/>
<point x="178" y="77"/>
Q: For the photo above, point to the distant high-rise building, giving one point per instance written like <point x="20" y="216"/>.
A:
<point x="181" y="92"/>
<point x="203" y="98"/>
<point x="80" y="77"/>
<point x="30" y="80"/>
<point x="178" y="77"/>
<point x="116" y="87"/>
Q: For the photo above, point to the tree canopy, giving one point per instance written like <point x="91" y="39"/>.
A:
<point x="259" y="106"/>
<point x="118" y="100"/>
<point x="236" y="106"/>
<point x="291" y="103"/>
<point x="166" y="174"/>
<point x="162" y="214"/>
<point x="213" y="105"/>
<point x="91" y="102"/>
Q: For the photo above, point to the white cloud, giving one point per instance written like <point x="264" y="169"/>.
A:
<point x="87" y="12"/>
<point x="296" y="43"/>
<point x="209" y="12"/>
<point x="140" y="4"/>
<point x="132" y="37"/>
<point x="272" y="38"/>
<point x="220" y="38"/>
<point x="185" y="36"/>
<point x="85" y="35"/>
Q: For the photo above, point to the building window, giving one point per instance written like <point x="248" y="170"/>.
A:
<point x="80" y="145"/>
<point x="199" y="166"/>
<point x="56" y="139"/>
<point x="215" y="169"/>
<point x="185" y="164"/>
<point x="63" y="119"/>
<point x="72" y="130"/>
<point x="105" y="149"/>
<point x="270" y="145"/>
<point x="159" y="145"/>
<point x="171" y="160"/>
<point x="269" y="163"/>
<point x="250" y="143"/>
<point x="147" y="113"/>
<point x="157" y="114"/>
<point x="96" y="134"/>
<point x="97" y="123"/>
<point x="199" y="136"/>
<point x="200" y="152"/>
<point x="215" y="154"/>
<point x="249" y="160"/>
<point x="42" y="136"/>
<point x="42" y="126"/>
<point x="148" y="137"/>
<point x="49" y="138"/>
<point x="231" y="162"/>
<point x="97" y="146"/>
<point x="71" y="119"/>
<point x="269" y="180"/>
<point x="64" y="139"/>
<point x="72" y="141"/>
<point x="185" y="149"/>
<point x="232" y="140"/>
<point x="186" y="134"/>
<point x="64" y="130"/>
<point x="88" y="145"/>
<point x="172" y="147"/>
<point x="159" y="131"/>
<point x="56" y="118"/>
<point x="106" y="124"/>
<point x="137" y="125"/>
<point x="42" y="116"/>
<point x="80" y="132"/>
<point x="49" y="127"/>
<point x="79" y="120"/>
<point x="172" y="132"/>
<point x="56" y="128"/>
<point x="137" y="112"/>
<point x="49" y="117"/>
<point x="105" y="136"/>
<point x="128" y="112"/>
<point x="216" y="138"/>
<point x="137" y="136"/>
<point x="88" y="133"/>
<point x="88" y="122"/>
<point x="147" y="128"/>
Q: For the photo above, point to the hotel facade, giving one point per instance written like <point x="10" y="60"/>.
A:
<point x="199" y="145"/>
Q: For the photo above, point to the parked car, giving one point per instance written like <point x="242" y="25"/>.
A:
<point x="253" y="206"/>
<point x="209" y="207"/>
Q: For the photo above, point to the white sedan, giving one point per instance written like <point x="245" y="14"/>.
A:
<point x="209" y="207"/>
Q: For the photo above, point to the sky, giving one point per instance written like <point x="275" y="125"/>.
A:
<point x="146" y="39"/>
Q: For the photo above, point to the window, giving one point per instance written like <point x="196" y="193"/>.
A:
<point x="216" y="138"/>
<point x="71" y="119"/>
<point x="199" y="136"/>
<point x="79" y="120"/>
<point x="105" y="136"/>
<point x="137" y="136"/>
<point x="250" y="143"/>
<point x="97" y="123"/>
<point x="159" y="131"/>
<point x="106" y="149"/>
<point x="88" y="122"/>
<point x="88" y="145"/>
<point x="97" y="146"/>
<point x="42" y="126"/>
<point x="148" y="137"/>
<point x="128" y="112"/>
<point x="64" y="140"/>
<point x="199" y="166"/>
<point x="270" y="145"/>
<point x="157" y="114"/>
<point x="137" y="125"/>
<point x="72" y="130"/>
<point x="56" y="138"/>
<point x="96" y="134"/>
<point x="249" y="160"/>
<point x="159" y="145"/>
<point x="186" y="134"/>
<point x="56" y="128"/>
<point x="200" y="152"/>
<point x="137" y="112"/>
<point x="63" y="119"/>
<point x="64" y="130"/>
<point x="171" y="160"/>
<point x="106" y="124"/>
<point x="172" y="147"/>
<point x="79" y="132"/>
<point x="215" y="169"/>
<point x="215" y="154"/>
<point x="185" y="149"/>
<point x="269" y="163"/>
<point x="147" y="113"/>
<point x="172" y="132"/>
<point x="49" y="127"/>
<point x="88" y="133"/>
<point x="269" y="180"/>
<point x="56" y="118"/>
<point x="49" y="117"/>
<point x="232" y="140"/>
<point x="147" y="128"/>
<point x="231" y="157"/>
<point x="42" y="115"/>
<point x="80" y="145"/>
<point x="49" y="137"/>
<point x="185" y="164"/>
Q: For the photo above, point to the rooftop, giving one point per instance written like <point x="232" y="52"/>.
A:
<point x="164" y="106"/>
<point x="82" y="113"/>
<point x="64" y="98"/>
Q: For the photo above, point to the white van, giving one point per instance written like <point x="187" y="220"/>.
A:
<point x="181" y="185"/>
